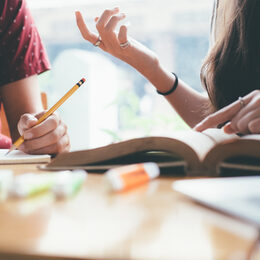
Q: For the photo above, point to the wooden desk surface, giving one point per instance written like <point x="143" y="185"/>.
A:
<point x="150" y="222"/>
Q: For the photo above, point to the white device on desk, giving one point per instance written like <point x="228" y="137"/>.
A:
<point x="236" y="196"/>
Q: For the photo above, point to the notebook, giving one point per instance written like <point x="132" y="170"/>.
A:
<point x="19" y="157"/>
<point x="236" y="196"/>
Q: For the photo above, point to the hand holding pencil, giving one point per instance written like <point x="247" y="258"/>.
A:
<point x="44" y="132"/>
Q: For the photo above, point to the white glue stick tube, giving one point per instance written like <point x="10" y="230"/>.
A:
<point x="29" y="184"/>
<point x="6" y="179"/>
<point x="129" y="176"/>
<point x="68" y="183"/>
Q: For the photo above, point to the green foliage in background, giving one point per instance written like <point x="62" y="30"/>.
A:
<point x="131" y="120"/>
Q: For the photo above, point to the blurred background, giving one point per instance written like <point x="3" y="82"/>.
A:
<point x="116" y="102"/>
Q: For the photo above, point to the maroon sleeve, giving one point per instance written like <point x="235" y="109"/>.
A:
<point x="22" y="53"/>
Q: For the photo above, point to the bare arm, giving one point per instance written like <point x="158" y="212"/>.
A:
<point x="187" y="102"/>
<point x="20" y="97"/>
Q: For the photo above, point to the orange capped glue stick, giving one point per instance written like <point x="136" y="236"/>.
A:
<point x="129" y="176"/>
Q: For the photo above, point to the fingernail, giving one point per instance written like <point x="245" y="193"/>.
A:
<point x="228" y="129"/>
<point x="116" y="8"/>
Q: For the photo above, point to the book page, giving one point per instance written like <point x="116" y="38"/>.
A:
<point x="19" y="157"/>
<point x="189" y="146"/>
<point x="219" y="136"/>
<point x="255" y="137"/>
<point x="203" y="142"/>
<point x="233" y="147"/>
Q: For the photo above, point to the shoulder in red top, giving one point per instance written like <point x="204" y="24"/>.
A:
<point x="22" y="53"/>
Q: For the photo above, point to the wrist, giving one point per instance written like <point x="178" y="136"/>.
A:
<point x="142" y="59"/>
<point x="163" y="80"/>
<point x="172" y="89"/>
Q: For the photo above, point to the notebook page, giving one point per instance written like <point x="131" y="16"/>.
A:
<point x="19" y="157"/>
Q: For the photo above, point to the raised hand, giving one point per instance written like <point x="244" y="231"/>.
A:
<point x="107" y="39"/>
<point x="118" y="44"/>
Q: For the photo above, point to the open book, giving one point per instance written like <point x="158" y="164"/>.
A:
<point x="19" y="157"/>
<point x="210" y="153"/>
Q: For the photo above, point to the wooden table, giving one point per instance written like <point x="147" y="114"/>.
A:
<point x="150" y="222"/>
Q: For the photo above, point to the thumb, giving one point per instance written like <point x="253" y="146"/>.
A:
<point x="39" y="115"/>
<point x="229" y="129"/>
<point x="26" y="121"/>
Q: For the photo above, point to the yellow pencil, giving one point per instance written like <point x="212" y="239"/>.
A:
<point x="20" y="140"/>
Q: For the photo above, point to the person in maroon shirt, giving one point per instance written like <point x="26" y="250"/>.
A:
<point x="22" y="58"/>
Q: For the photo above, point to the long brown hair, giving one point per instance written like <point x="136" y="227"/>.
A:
<point x="232" y="67"/>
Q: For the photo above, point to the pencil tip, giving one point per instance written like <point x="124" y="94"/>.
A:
<point x="10" y="150"/>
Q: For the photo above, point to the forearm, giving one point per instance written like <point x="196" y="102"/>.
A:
<point x="187" y="102"/>
<point x="20" y="97"/>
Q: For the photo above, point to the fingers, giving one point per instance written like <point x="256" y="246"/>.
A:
<point x="105" y="17"/>
<point x="122" y="35"/>
<point x="244" y="124"/>
<point x="86" y="34"/>
<point x="26" y="122"/>
<point x="55" y="141"/>
<point x="240" y="122"/>
<point x="220" y="117"/>
<point x="223" y="115"/>
<point x="111" y="25"/>
<point x="106" y="25"/>
<point x="243" y="116"/>
<point x="61" y="146"/>
<point x="254" y="126"/>
<point x="228" y="129"/>
<point x="50" y="136"/>
<point x="48" y="125"/>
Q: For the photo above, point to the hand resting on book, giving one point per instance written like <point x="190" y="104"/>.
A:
<point x="243" y="116"/>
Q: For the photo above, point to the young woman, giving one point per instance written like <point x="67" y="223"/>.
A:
<point x="22" y="57"/>
<point x="230" y="71"/>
